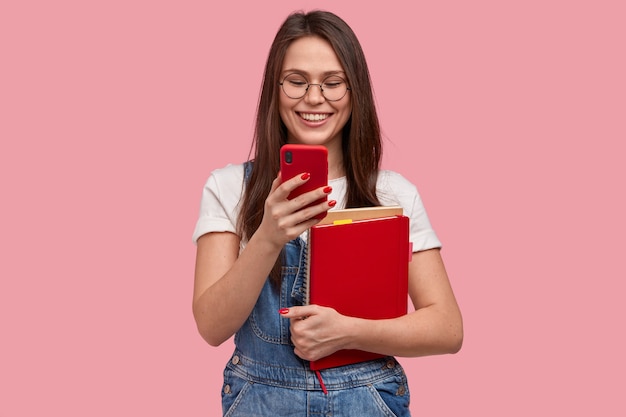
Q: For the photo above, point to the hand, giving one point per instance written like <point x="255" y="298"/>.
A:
<point x="284" y="219"/>
<point x="316" y="331"/>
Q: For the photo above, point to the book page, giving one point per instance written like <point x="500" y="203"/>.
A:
<point x="360" y="213"/>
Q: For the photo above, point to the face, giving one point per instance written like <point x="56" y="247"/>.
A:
<point x="312" y="119"/>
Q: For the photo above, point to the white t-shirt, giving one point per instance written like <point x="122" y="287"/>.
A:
<point x="223" y="190"/>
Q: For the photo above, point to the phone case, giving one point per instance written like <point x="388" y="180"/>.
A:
<point x="296" y="159"/>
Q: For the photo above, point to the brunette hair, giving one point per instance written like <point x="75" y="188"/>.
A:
<point x="361" y="138"/>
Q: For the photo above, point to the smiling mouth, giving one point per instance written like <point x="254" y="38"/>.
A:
<point x="314" y="117"/>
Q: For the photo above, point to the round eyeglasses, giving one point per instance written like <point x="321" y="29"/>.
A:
<point x="333" y="87"/>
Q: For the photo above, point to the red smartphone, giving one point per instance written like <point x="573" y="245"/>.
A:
<point x="296" y="159"/>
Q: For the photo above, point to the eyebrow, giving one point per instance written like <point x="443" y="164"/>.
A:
<point x="299" y="71"/>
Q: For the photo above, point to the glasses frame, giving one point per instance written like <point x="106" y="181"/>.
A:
<point x="308" y="85"/>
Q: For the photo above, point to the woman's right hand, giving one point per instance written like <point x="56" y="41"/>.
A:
<point x="284" y="219"/>
<point x="228" y="282"/>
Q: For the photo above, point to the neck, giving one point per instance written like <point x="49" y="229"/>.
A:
<point x="335" y="162"/>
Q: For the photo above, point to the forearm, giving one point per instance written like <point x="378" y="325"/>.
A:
<point x="427" y="331"/>
<point x="223" y="307"/>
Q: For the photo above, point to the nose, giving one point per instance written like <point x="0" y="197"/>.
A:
<point x="314" y="95"/>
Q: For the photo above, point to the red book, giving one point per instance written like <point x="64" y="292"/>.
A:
<point x="359" y="268"/>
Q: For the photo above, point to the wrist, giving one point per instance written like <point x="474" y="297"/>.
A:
<point x="355" y="331"/>
<point x="264" y="244"/>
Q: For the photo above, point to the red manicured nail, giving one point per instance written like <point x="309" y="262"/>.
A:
<point x="328" y="189"/>
<point x="283" y="311"/>
<point x="332" y="203"/>
<point x="305" y="176"/>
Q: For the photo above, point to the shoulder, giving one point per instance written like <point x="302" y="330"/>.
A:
<point x="225" y="184"/>
<point x="230" y="173"/>
<point x="393" y="178"/>
<point x="393" y="187"/>
<point x="227" y="178"/>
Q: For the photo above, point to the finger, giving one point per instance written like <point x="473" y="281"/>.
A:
<point x="312" y="203"/>
<point x="291" y="184"/>
<point x="297" y="312"/>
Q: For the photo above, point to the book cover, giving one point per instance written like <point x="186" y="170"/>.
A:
<point x="359" y="268"/>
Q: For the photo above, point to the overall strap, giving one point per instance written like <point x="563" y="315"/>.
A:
<point x="247" y="170"/>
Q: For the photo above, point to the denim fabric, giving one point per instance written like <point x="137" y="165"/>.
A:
<point x="265" y="378"/>
<point x="372" y="389"/>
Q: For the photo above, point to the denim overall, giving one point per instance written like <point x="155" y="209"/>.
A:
<point x="265" y="378"/>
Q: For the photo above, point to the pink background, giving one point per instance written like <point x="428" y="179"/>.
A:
<point x="509" y="116"/>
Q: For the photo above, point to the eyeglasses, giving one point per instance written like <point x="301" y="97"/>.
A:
<point x="333" y="87"/>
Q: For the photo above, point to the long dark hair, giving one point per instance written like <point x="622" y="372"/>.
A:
<point x="361" y="138"/>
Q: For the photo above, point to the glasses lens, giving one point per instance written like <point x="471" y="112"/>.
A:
<point x="334" y="88"/>
<point x="295" y="86"/>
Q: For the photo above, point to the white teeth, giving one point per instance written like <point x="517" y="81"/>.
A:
<point x="313" y="117"/>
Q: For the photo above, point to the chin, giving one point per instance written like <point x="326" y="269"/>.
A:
<point x="308" y="139"/>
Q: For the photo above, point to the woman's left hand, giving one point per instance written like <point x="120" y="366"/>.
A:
<point x="317" y="331"/>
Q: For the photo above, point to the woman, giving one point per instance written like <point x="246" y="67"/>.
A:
<point x="249" y="243"/>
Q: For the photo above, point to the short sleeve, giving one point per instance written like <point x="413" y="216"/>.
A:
<point x="394" y="189"/>
<point x="219" y="204"/>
